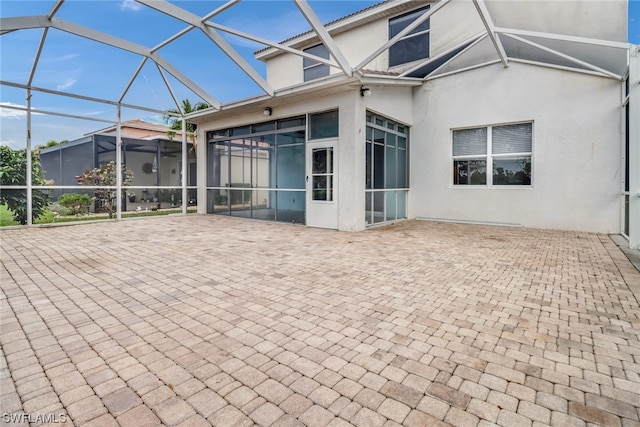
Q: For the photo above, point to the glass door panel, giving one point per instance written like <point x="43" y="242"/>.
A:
<point x="322" y="174"/>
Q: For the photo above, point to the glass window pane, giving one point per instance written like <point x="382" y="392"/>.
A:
<point x="218" y="172"/>
<point x="316" y="72"/>
<point x="368" y="165"/>
<point x="264" y="127"/>
<point x="390" y="207"/>
<point x="240" y="163"/>
<point x="470" y="172"/>
<point x="378" y="207"/>
<point x="390" y="164"/>
<point x="290" y="167"/>
<point x="218" y="201"/>
<point x="292" y="122"/>
<point x="402" y="142"/>
<point x="402" y="204"/>
<point x="288" y="138"/>
<point x="409" y="49"/>
<point x="511" y="138"/>
<point x="378" y="136"/>
<point x="218" y="134"/>
<point x="322" y="160"/>
<point x="378" y="166"/>
<point x="319" y="161"/>
<point x="318" y="50"/>
<point x="323" y="125"/>
<point x="368" y="212"/>
<point x="470" y="142"/>
<point x="322" y="187"/>
<point x="402" y="169"/>
<point x="401" y="22"/>
<point x="262" y="202"/>
<point x="242" y="130"/>
<point x="512" y="171"/>
<point x="263" y="162"/>
<point x="290" y="206"/>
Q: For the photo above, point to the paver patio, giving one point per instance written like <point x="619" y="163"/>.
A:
<point x="205" y="320"/>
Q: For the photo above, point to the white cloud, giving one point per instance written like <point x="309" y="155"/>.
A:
<point x="66" y="57"/>
<point x="66" y="85"/>
<point x="12" y="113"/>
<point x="130" y="5"/>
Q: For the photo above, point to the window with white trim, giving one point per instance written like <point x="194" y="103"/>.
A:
<point x="312" y="68"/>
<point x="414" y="45"/>
<point x="505" y="150"/>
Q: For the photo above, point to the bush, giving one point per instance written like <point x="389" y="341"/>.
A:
<point x="78" y="203"/>
<point x="59" y="209"/>
<point x="13" y="171"/>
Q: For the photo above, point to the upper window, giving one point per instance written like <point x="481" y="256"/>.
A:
<point x="412" y="46"/>
<point x="505" y="150"/>
<point x="314" y="69"/>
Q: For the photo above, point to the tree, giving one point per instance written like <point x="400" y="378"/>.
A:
<point x="176" y="124"/>
<point x="13" y="171"/>
<point x="105" y="176"/>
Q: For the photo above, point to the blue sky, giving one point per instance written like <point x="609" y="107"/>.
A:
<point x="72" y="64"/>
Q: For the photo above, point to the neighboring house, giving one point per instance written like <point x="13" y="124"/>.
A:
<point x="523" y="124"/>
<point x="154" y="159"/>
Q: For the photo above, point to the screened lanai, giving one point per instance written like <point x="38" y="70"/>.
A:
<point x="153" y="79"/>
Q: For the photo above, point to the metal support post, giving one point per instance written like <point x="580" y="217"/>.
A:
<point x="118" y="162"/>
<point x="184" y="182"/>
<point x="29" y="163"/>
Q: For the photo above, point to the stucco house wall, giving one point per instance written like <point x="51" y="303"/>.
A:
<point x="576" y="171"/>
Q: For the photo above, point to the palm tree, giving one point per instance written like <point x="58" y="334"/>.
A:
<point x="176" y="124"/>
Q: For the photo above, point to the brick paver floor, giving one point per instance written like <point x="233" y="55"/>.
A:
<point x="205" y="320"/>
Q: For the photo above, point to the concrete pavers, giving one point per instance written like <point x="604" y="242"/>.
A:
<point x="205" y="320"/>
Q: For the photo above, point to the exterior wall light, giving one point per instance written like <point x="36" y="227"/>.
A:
<point x="267" y="111"/>
<point x="365" y="91"/>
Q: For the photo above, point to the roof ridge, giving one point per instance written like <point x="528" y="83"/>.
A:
<point x="335" y="21"/>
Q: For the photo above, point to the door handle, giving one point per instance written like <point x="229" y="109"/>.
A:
<point x="307" y="178"/>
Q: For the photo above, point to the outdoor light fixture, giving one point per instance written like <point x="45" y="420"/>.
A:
<point x="267" y="111"/>
<point x="365" y="91"/>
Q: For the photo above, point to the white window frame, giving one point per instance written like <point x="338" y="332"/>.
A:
<point x="489" y="157"/>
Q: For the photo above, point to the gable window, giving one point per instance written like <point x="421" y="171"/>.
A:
<point x="314" y="69"/>
<point x="504" y="150"/>
<point x="414" y="45"/>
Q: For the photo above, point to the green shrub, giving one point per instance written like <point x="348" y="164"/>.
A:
<point x="59" y="209"/>
<point x="78" y="203"/>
